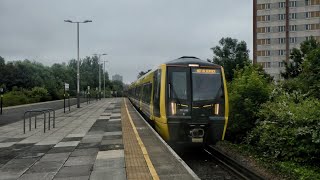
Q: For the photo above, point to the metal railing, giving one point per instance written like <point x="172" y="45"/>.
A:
<point x="38" y="112"/>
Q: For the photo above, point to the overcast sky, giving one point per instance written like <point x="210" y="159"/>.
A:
<point x="136" y="34"/>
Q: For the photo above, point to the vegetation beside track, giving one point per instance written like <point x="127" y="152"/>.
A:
<point x="278" y="122"/>
<point x="30" y="82"/>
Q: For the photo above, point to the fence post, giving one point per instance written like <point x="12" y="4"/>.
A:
<point x="24" y="123"/>
<point x="69" y="101"/>
<point x="35" y="122"/>
<point x="54" y="119"/>
<point x="44" y="122"/>
<point x="49" y="120"/>
<point x="29" y="123"/>
<point x="64" y="101"/>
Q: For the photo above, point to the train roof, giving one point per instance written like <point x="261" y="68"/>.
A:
<point x="186" y="60"/>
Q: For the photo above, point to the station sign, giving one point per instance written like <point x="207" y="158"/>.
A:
<point x="66" y="86"/>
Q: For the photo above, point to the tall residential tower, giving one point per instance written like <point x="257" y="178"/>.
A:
<point x="279" y="26"/>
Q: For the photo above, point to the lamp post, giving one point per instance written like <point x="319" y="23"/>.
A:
<point x="99" y="56"/>
<point x="78" y="63"/>
<point x="104" y="79"/>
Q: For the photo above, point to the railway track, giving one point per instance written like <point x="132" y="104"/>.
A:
<point x="210" y="163"/>
<point x="238" y="171"/>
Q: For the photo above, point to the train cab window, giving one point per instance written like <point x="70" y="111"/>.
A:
<point x="156" y="93"/>
<point x="179" y="85"/>
<point x="179" y="92"/>
<point x="201" y="88"/>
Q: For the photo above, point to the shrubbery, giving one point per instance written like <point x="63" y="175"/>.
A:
<point x="22" y="96"/>
<point x="289" y="129"/>
<point x="247" y="92"/>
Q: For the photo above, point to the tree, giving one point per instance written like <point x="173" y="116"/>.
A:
<point x="294" y="68"/>
<point x="230" y="54"/>
<point x="247" y="92"/>
<point x="310" y="75"/>
<point x="142" y="73"/>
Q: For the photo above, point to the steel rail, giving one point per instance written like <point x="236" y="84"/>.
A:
<point x="231" y="165"/>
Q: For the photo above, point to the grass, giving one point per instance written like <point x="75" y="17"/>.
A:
<point x="286" y="169"/>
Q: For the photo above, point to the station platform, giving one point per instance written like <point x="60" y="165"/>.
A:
<point x="107" y="139"/>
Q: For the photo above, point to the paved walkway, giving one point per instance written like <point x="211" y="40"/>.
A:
<point x="68" y="151"/>
<point x="103" y="140"/>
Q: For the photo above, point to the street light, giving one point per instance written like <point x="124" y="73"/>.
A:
<point x="99" y="55"/>
<point x="104" y="78"/>
<point x="78" y="63"/>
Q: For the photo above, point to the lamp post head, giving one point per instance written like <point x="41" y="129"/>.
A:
<point x="104" y="54"/>
<point x="87" y="21"/>
<point x="69" y="21"/>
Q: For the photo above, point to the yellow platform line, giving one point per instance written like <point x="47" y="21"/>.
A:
<point x="152" y="170"/>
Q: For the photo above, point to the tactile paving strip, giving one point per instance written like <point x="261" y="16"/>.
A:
<point x="136" y="166"/>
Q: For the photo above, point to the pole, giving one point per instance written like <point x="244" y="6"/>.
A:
<point x="64" y="99"/>
<point x="104" y="79"/>
<point x="1" y="97"/>
<point x="78" y="70"/>
<point x="99" y="77"/>
<point x="69" y="101"/>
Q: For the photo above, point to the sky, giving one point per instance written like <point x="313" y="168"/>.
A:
<point x="137" y="35"/>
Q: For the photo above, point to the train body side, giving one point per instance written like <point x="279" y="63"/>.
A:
<point x="151" y="95"/>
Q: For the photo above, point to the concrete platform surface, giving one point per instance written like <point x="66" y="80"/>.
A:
<point x="103" y="140"/>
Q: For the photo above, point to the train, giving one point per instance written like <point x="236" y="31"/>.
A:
<point x="185" y="100"/>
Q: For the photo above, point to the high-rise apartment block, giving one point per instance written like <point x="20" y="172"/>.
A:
<point x="278" y="27"/>
<point x="117" y="77"/>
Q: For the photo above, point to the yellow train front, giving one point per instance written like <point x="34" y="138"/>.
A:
<point x="185" y="99"/>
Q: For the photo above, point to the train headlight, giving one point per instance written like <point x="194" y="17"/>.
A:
<point x="216" y="109"/>
<point x="173" y="108"/>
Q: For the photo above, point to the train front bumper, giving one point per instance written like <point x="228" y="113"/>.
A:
<point x="195" y="131"/>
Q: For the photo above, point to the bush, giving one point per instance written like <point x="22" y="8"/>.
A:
<point x="289" y="129"/>
<point x="39" y="93"/>
<point x="14" y="98"/>
<point x="249" y="89"/>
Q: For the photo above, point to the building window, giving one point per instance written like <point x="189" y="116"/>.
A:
<point x="266" y="64"/>
<point x="282" y="16"/>
<point x="281" y="64"/>
<point x="293" y="15"/>
<point x="293" y="27"/>
<point x="263" y="41"/>
<point x="308" y="26"/>
<point x="308" y="38"/>
<point x="307" y="2"/>
<point x="282" y="4"/>
<point x="281" y="52"/>
<point x="282" y="28"/>
<point x="268" y="41"/>
<point x="308" y="14"/>
<point x="267" y="53"/>
<point x="293" y="3"/>
<point x="267" y="6"/>
<point x="282" y="40"/>
<point x="267" y="29"/>
<point x="263" y="6"/>
<point x="267" y="18"/>
<point x="293" y="40"/>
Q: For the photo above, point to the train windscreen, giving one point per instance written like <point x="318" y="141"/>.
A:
<point x="206" y="84"/>
<point x="196" y="92"/>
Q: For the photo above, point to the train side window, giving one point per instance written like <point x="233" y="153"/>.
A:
<point x="156" y="93"/>
<point x="149" y="89"/>
<point x="147" y="93"/>
<point x="141" y="92"/>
